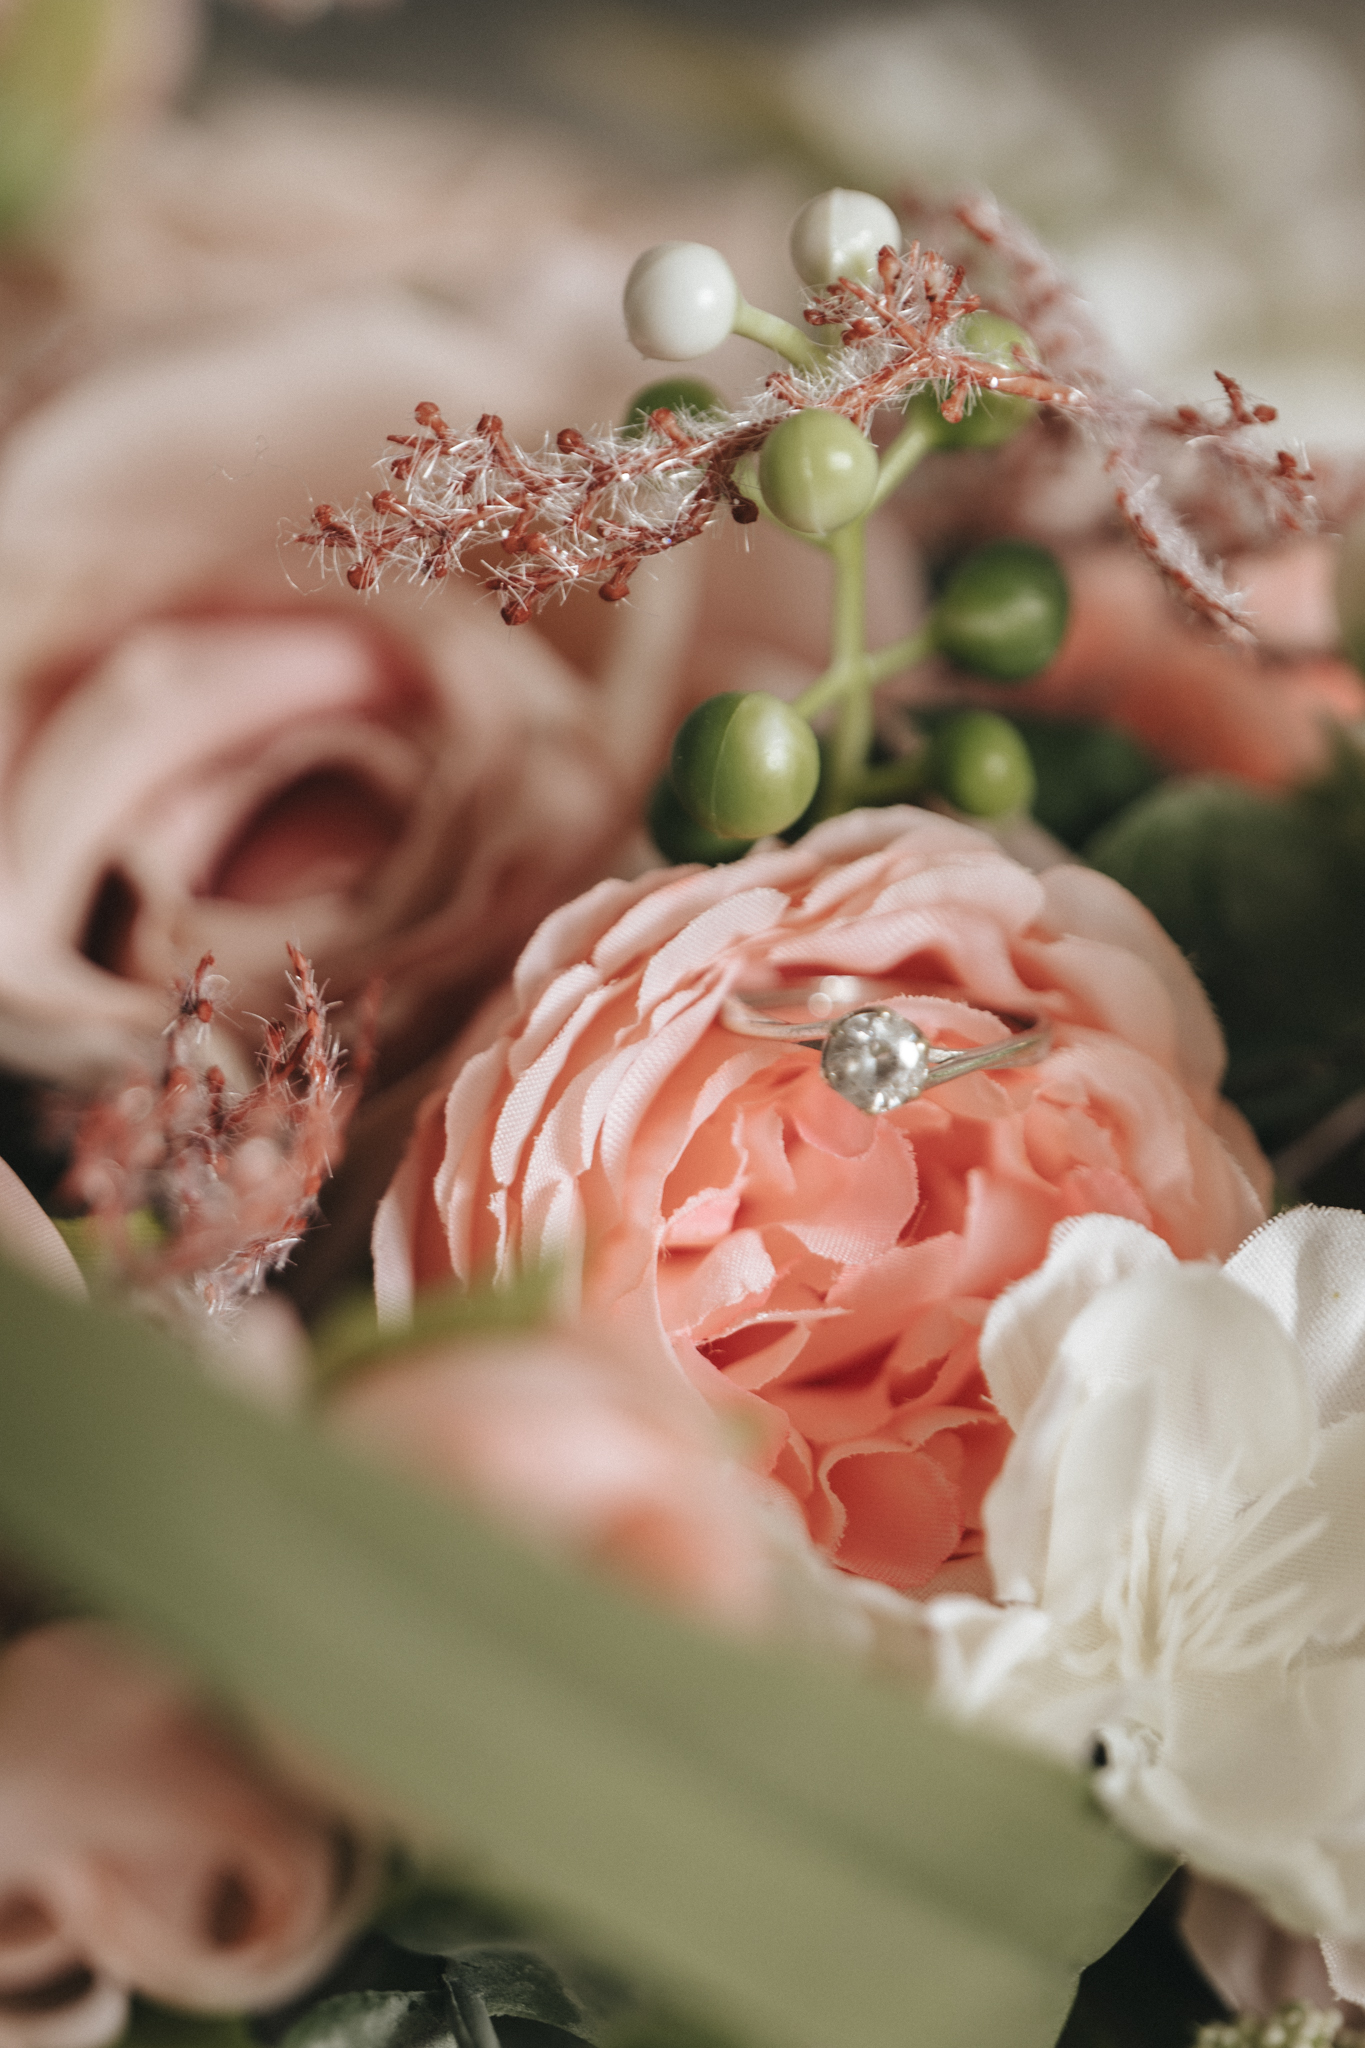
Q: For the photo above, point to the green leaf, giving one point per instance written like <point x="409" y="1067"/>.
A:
<point x="160" y="2026"/>
<point x="1263" y="894"/>
<point x="376" y="2019"/>
<point x="1147" y="1992"/>
<point x="793" y="1852"/>
<point x="516" y="1983"/>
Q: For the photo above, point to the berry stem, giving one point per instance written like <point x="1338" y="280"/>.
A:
<point x="889" y="781"/>
<point x="777" y="334"/>
<point x="909" y="448"/>
<point x="901" y="654"/>
<point x="853" y="731"/>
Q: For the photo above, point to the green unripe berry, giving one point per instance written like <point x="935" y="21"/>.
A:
<point x="1003" y="611"/>
<point x="981" y="764"/>
<point x="679" y="394"/>
<point x="994" y="416"/>
<point x="679" y="837"/>
<point x="745" y="764"/>
<point x="817" y="472"/>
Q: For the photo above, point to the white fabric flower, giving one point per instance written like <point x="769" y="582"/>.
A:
<point x="1178" y="1538"/>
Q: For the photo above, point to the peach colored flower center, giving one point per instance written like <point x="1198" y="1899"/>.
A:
<point x="812" y="1254"/>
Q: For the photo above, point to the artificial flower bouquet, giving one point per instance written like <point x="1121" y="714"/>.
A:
<point x="839" y="1512"/>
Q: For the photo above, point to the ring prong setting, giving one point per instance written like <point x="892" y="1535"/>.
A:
<point x="876" y="1060"/>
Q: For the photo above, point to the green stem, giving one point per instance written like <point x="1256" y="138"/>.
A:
<point x="889" y="781"/>
<point x="778" y="335"/>
<point x="901" y="654"/>
<point x="853" y="732"/>
<point x="870" y="669"/>
<point x="911" y="445"/>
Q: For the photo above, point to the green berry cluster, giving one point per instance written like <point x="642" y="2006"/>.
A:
<point x="746" y="764"/>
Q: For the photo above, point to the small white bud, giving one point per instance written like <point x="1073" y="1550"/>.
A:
<point x="841" y="234"/>
<point x="680" y="301"/>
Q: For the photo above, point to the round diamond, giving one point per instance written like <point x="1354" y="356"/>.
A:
<point x="875" y="1060"/>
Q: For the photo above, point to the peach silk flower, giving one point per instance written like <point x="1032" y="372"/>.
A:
<point x="583" y="1452"/>
<point x="821" y="1273"/>
<point x="141" y="1851"/>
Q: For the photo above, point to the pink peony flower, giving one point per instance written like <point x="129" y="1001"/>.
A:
<point x="141" y="1851"/>
<point x="820" y="1274"/>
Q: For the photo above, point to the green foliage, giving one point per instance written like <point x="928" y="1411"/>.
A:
<point x="744" y="764"/>
<point x="1146" y="1993"/>
<point x="789" y="1851"/>
<point x="1264" y="895"/>
<point x="1002" y="612"/>
<point x="1086" y="774"/>
<point x="158" y="2026"/>
<point x="376" y="2019"/>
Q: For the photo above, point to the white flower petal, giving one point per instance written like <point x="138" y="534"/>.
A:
<point x="1027" y="1322"/>
<point x="1307" y="1266"/>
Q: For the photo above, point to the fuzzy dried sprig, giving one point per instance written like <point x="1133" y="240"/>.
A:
<point x="184" y="1182"/>
<point x="586" y="510"/>
<point x="1233" y="486"/>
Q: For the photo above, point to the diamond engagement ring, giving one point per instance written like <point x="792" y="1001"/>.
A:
<point x="872" y="1056"/>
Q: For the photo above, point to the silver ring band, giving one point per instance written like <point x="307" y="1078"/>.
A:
<point x="870" y="1054"/>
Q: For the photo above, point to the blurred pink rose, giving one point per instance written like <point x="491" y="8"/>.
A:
<point x="141" y="1851"/>
<point x="820" y="1273"/>
<point x="581" y="1451"/>
<point x="195" y="759"/>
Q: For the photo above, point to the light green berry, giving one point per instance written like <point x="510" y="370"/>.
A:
<point x="817" y="471"/>
<point x="981" y="764"/>
<point x="745" y="764"/>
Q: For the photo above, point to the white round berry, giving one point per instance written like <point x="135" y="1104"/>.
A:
<point x="680" y="301"/>
<point x="841" y="234"/>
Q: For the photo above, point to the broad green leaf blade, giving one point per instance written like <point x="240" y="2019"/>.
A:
<point x="804" y="1856"/>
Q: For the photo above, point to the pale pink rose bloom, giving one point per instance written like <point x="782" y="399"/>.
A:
<point x="582" y="1452"/>
<point x="197" y="754"/>
<point x="195" y="757"/>
<point x="819" y="1273"/>
<point x="141" y="1851"/>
